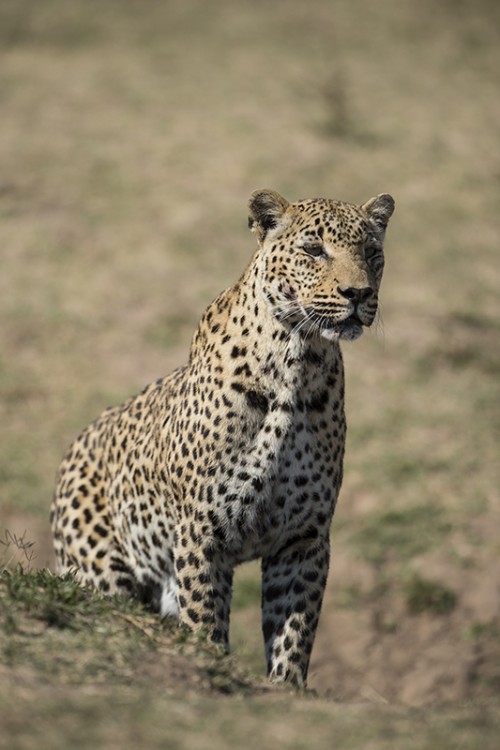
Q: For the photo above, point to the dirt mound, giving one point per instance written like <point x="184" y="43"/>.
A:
<point x="381" y="638"/>
<point x="413" y="641"/>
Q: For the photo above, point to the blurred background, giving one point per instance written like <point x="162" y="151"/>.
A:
<point x="132" y="133"/>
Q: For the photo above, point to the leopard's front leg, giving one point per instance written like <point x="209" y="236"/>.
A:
<point x="204" y="585"/>
<point x="293" y="583"/>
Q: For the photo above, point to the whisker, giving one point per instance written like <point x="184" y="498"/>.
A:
<point x="312" y="330"/>
<point x="300" y="325"/>
<point x="288" y="314"/>
<point x="379" y="324"/>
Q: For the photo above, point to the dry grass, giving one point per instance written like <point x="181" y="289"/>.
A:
<point x="131" y="136"/>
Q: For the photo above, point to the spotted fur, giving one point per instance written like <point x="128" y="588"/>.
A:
<point x="238" y="454"/>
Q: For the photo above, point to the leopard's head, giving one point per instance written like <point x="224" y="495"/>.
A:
<point x="321" y="261"/>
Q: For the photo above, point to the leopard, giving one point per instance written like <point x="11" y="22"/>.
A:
<point x="238" y="454"/>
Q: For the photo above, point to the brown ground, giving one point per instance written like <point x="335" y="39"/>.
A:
<point x="130" y="138"/>
<point x="369" y="647"/>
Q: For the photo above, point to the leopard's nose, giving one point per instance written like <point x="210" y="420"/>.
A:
<point x="355" y="294"/>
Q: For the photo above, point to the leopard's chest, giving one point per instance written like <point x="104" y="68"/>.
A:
<point x="289" y="493"/>
<point x="254" y="443"/>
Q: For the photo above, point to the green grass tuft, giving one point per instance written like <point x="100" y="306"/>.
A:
<point x="58" y="601"/>
<point x="401" y="534"/>
<point x="423" y="595"/>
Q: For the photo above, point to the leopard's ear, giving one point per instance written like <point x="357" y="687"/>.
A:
<point x="380" y="209"/>
<point x="266" y="209"/>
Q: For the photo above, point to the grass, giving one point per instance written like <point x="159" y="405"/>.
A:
<point x="247" y="591"/>
<point x="72" y="635"/>
<point x="132" y="135"/>
<point x="165" y="721"/>
<point x="401" y="534"/>
<point x="65" y="632"/>
<point x="428" y="596"/>
<point x="95" y="671"/>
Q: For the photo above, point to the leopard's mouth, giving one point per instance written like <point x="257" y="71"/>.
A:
<point x="308" y="319"/>
<point x="329" y="327"/>
<point x="349" y="329"/>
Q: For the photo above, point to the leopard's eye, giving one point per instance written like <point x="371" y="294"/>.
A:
<point x="314" y="249"/>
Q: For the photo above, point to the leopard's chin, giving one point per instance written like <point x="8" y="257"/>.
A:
<point x="347" y="330"/>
